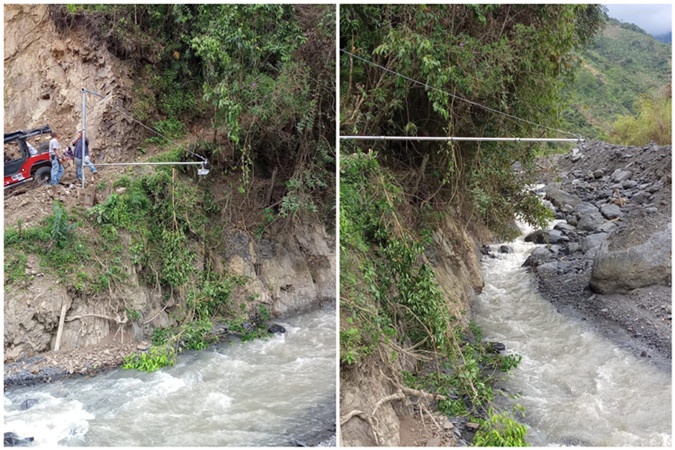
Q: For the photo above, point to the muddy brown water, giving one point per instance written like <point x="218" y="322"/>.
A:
<point x="271" y="392"/>
<point x="577" y="388"/>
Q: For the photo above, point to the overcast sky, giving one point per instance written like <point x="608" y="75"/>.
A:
<point x="654" y="19"/>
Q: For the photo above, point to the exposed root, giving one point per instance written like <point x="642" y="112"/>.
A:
<point x="153" y="317"/>
<point x="116" y="319"/>
<point x="403" y="391"/>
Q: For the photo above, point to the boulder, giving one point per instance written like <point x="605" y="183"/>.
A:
<point x="495" y="347"/>
<point x="619" y="175"/>
<point x="564" y="227"/>
<point x="560" y="198"/>
<point x="598" y="173"/>
<point x="538" y="256"/>
<point x="554" y="268"/>
<point x="505" y="249"/>
<point x="556" y="236"/>
<point x="592" y="241"/>
<point x="611" y="211"/>
<point x="538" y="237"/>
<point x="585" y="208"/>
<point x="276" y="328"/>
<point x="640" y="198"/>
<point x="654" y="188"/>
<point x="590" y="222"/>
<point x="633" y="258"/>
<point x="13" y="440"/>
<point x="28" y="403"/>
<point x="607" y="227"/>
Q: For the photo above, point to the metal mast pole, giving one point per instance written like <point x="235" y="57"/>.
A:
<point x="84" y="136"/>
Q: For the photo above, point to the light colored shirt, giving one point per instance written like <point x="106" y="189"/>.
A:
<point x="31" y="150"/>
<point x="53" y="146"/>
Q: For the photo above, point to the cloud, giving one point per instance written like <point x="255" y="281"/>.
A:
<point x="654" y="19"/>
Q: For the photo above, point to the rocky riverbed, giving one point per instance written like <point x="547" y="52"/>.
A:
<point x="607" y="259"/>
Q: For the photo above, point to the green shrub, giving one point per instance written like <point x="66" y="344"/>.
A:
<point x="154" y="359"/>
<point x="15" y="266"/>
<point x="197" y="334"/>
<point x="60" y="229"/>
<point x="500" y="430"/>
<point x="160" y="336"/>
<point x="653" y="123"/>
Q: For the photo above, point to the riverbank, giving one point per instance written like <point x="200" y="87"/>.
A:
<point x="90" y="361"/>
<point x="607" y="261"/>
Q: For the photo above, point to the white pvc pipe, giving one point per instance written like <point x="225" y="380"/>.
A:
<point x="84" y="132"/>
<point x="191" y="163"/>
<point x="452" y="138"/>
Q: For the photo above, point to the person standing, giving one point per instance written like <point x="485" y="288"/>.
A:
<point x="56" y="158"/>
<point x="77" y="142"/>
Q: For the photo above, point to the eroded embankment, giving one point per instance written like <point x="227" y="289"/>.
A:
<point x="287" y="273"/>
<point x="138" y="250"/>
<point x="377" y="409"/>
<point x="371" y="385"/>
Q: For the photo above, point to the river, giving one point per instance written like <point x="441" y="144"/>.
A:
<point x="273" y="392"/>
<point x="577" y="388"/>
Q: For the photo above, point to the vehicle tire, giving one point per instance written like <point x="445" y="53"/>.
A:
<point x="42" y="175"/>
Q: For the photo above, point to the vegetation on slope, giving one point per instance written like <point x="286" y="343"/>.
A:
<point x="158" y="226"/>
<point x="625" y="73"/>
<point x="393" y="195"/>
<point x="260" y="76"/>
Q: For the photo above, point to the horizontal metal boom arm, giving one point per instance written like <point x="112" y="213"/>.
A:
<point x="191" y="163"/>
<point x="450" y="138"/>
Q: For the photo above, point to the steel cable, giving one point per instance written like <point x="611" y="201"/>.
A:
<point x="487" y="108"/>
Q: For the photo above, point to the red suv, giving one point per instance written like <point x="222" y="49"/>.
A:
<point x="23" y="163"/>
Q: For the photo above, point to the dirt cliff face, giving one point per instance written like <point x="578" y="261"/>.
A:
<point x="45" y="72"/>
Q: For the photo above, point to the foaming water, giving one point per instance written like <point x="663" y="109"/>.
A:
<point x="577" y="388"/>
<point x="260" y="393"/>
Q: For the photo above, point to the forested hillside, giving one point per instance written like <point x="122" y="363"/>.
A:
<point x="624" y="73"/>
